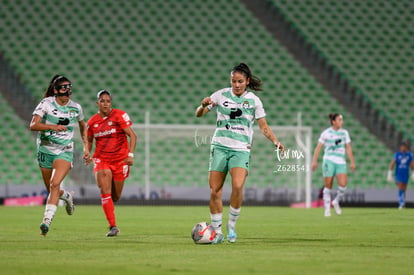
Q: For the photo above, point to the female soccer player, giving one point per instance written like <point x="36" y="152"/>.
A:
<point x="55" y="118"/>
<point x="237" y="108"/>
<point x="336" y="141"/>
<point x="403" y="161"/>
<point x="113" y="154"/>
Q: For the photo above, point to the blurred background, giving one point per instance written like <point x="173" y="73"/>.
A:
<point x="161" y="57"/>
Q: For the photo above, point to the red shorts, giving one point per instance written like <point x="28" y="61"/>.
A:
<point x="119" y="169"/>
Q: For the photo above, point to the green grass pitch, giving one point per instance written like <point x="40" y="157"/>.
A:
<point x="156" y="240"/>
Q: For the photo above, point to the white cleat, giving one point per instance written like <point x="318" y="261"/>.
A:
<point x="327" y="213"/>
<point x="70" y="207"/>
<point x="337" y="208"/>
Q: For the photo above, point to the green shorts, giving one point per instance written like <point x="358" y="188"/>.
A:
<point x="330" y="168"/>
<point x="46" y="160"/>
<point x="222" y="159"/>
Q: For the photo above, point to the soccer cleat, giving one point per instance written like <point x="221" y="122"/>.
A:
<point x="70" y="207"/>
<point x="337" y="208"/>
<point x="327" y="213"/>
<point x="44" y="227"/>
<point x="113" y="231"/>
<point x="231" y="234"/>
<point x="219" y="238"/>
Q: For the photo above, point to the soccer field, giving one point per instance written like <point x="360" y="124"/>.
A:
<point x="156" y="240"/>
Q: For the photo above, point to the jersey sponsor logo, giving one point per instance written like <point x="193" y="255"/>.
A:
<point x="235" y="112"/>
<point x="126" y="117"/>
<point x="105" y="133"/>
<point x="63" y="121"/>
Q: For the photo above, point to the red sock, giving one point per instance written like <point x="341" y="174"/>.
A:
<point x="108" y="208"/>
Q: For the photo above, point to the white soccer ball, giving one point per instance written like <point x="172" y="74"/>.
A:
<point x="203" y="233"/>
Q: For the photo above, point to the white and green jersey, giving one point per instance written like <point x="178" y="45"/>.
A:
<point x="334" y="142"/>
<point x="235" y="118"/>
<point x="52" y="142"/>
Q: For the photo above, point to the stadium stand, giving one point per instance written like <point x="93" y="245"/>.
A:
<point x="165" y="56"/>
<point x="369" y="41"/>
<point x="18" y="149"/>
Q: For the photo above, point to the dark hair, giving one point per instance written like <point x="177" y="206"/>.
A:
<point x="54" y="83"/>
<point x="333" y="116"/>
<point x="254" y="82"/>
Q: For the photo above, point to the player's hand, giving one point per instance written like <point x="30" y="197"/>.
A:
<point x="280" y="147"/>
<point x="87" y="158"/>
<point x="206" y="101"/>
<point x="390" y="177"/>
<point x="314" y="165"/>
<point x="129" y="161"/>
<point x="353" y="167"/>
<point x="412" y="175"/>
<point x="59" y="128"/>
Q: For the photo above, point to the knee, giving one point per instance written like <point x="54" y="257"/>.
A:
<point x="215" y="193"/>
<point x="54" y="186"/>
<point x="237" y="187"/>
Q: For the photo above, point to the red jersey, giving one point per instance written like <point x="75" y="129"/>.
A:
<point x="110" y="139"/>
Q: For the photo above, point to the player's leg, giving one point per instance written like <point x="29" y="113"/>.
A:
<point x="104" y="181"/>
<point x="238" y="178"/>
<point x="46" y="164"/>
<point x="239" y="169"/>
<point x="327" y="195"/>
<point x="60" y="169"/>
<point x="328" y="174"/>
<point x="120" y="173"/>
<point x="342" y="180"/>
<point x="218" y="168"/>
<point x="216" y="181"/>
<point x="402" y="187"/>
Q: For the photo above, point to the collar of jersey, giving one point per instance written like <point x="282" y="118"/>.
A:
<point x="242" y="95"/>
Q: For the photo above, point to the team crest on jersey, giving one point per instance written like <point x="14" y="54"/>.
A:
<point x="72" y="113"/>
<point x="109" y="123"/>
<point x="96" y="125"/>
<point x="246" y="104"/>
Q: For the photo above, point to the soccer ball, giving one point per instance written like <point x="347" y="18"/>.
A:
<point x="203" y="233"/>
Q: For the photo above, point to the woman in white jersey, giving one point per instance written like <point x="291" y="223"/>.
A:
<point x="337" y="142"/>
<point x="55" y="118"/>
<point x="237" y="109"/>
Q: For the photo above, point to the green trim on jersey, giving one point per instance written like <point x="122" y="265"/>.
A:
<point x="232" y="135"/>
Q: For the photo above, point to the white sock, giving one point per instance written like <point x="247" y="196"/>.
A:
<point x="233" y="216"/>
<point x="340" y="193"/>
<point x="216" y="221"/>
<point x="50" y="211"/>
<point x="327" y="198"/>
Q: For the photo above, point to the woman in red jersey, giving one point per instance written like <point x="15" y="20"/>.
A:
<point x="113" y="154"/>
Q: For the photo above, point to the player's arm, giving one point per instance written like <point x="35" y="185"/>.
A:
<point x="84" y="136"/>
<point x="37" y="125"/>
<point x="268" y="133"/>
<point x="390" y="178"/>
<point x="132" y="144"/>
<point x="412" y="169"/>
<point x="205" y="107"/>
<point x="316" y="155"/>
<point x="348" y="149"/>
